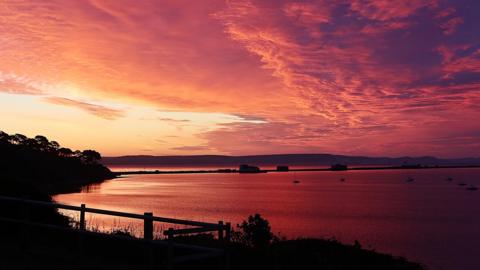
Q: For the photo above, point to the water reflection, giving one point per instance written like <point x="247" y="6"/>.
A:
<point x="91" y="188"/>
<point x="430" y="220"/>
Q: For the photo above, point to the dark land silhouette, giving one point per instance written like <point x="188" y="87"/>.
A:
<point x="36" y="168"/>
<point x="253" y="246"/>
<point x="280" y="163"/>
<point x="286" y="159"/>
<point x="47" y="166"/>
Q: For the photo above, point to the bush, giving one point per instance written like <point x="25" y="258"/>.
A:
<point x="255" y="232"/>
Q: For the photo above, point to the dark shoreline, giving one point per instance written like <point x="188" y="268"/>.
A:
<point x="119" y="173"/>
<point x="78" y="187"/>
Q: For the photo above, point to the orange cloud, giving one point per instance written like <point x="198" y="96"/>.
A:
<point x="12" y="84"/>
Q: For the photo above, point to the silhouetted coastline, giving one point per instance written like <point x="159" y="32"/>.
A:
<point x="47" y="166"/>
<point x="119" y="173"/>
<point x="295" y="160"/>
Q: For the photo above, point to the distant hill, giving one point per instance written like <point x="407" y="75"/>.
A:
<point x="283" y="159"/>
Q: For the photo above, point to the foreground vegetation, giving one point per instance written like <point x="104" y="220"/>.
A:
<point x="253" y="246"/>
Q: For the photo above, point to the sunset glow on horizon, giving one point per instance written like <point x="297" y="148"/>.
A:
<point x="238" y="77"/>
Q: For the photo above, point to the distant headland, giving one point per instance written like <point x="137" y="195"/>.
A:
<point x="287" y="159"/>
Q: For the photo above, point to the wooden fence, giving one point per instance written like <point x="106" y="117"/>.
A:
<point x="222" y="229"/>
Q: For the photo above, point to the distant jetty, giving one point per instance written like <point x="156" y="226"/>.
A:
<point x="339" y="167"/>
<point x="244" y="168"/>
<point x="332" y="168"/>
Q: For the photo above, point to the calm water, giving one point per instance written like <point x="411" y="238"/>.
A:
<point x="429" y="220"/>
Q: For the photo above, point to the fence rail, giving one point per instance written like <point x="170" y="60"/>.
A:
<point x="222" y="230"/>
<point x="147" y="217"/>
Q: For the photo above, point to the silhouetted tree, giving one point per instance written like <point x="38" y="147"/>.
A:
<point x="32" y="144"/>
<point x="42" y="142"/>
<point x="256" y="232"/>
<point x="91" y="156"/>
<point x="4" y="137"/>
<point x="77" y="153"/>
<point x="65" y="152"/>
<point x="18" y="139"/>
<point x="54" y="146"/>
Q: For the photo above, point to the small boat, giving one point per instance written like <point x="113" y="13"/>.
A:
<point x="409" y="179"/>
<point x="449" y="179"/>
<point x="472" y="188"/>
<point x="295" y="181"/>
<point x="462" y="184"/>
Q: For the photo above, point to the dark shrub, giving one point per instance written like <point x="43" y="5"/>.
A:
<point x="256" y="232"/>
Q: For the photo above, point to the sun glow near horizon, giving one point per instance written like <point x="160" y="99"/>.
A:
<point x="141" y="130"/>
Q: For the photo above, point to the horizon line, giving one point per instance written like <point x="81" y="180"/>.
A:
<point x="290" y="154"/>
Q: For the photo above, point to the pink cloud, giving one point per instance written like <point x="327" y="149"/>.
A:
<point x="454" y="63"/>
<point x="450" y="26"/>
<point x="13" y="84"/>
<point x="339" y="76"/>
<point x="13" y="87"/>
<point x="309" y="12"/>
<point x="354" y="76"/>
<point x="382" y="27"/>
<point x="384" y="10"/>
<point x="190" y="148"/>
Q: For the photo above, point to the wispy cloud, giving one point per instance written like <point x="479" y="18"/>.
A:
<point x="13" y="87"/>
<point x="13" y="84"/>
<point x="97" y="110"/>
<point x="192" y="148"/>
<point x="449" y="27"/>
<point x="173" y="120"/>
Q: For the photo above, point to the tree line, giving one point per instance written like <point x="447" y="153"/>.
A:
<point x="47" y="165"/>
<point x="42" y="144"/>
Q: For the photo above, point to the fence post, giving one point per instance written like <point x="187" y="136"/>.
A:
<point x="220" y="230"/>
<point x="228" y="231"/>
<point x="170" y="249"/>
<point x="148" y="235"/>
<point x="82" y="228"/>
<point x="82" y="217"/>
<point x="170" y="233"/>
<point x="148" y="226"/>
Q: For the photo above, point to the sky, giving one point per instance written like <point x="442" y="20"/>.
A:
<point x="239" y="77"/>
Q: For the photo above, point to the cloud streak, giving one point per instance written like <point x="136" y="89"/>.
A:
<point x="97" y="110"/>
<point x="192" y="148"/>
